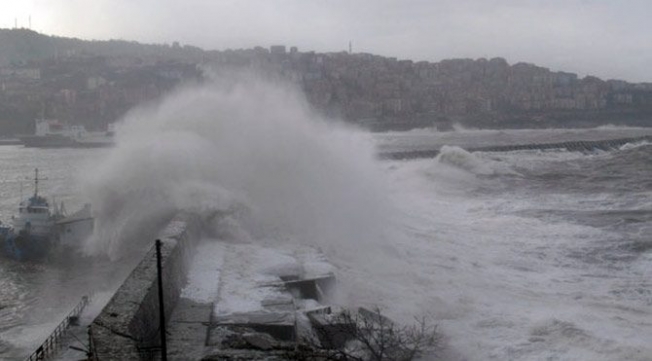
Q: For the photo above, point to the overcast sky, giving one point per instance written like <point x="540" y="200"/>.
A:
<point x="608" y="39"/>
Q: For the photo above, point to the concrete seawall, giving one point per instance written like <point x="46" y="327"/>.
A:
<point x="128" y="326"/>
<point x="572" y="146"/>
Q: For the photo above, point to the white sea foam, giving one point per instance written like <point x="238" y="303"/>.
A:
<point x="460" y="158"/>
<point x="505" y="286"/>
<point x="635" y="145"/>
<point x="204" y="273"/>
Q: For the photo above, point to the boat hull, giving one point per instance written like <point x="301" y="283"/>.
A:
<point x="61" y="141"/>
<point x="27" y="247"/>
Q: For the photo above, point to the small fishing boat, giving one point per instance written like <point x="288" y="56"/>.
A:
<point x="37" y="229"/>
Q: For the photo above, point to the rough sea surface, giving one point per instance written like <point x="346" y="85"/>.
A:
<point x="532" y="255"/>
<point x="529" y="255"/>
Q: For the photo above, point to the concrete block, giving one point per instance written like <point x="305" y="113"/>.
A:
<point x="280" y="325"/>
<point x="333" y="332"/>
<point x="316" y="288"/>
<point x="260" y="341"/>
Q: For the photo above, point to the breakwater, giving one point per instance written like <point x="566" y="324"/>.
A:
<point x="128" y="326"/>
<point x="569" y="145"/>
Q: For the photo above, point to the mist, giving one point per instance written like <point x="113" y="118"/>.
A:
<point x="249" y="149"/>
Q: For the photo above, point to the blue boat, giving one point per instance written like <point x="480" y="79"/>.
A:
<point x="33" y="233"/>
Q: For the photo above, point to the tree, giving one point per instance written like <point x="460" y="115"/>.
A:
<point x="367" y="336"/>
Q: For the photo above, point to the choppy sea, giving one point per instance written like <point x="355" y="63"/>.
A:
<point x="532" y="255"/>
<point x="527" y="255"/>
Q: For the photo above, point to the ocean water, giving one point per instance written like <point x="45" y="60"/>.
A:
<point x="530" y="255"/>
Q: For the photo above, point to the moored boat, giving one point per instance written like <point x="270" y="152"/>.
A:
<point x="36" y="229"/>
<point x="53" y="134"/>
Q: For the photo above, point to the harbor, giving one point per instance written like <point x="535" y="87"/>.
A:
<point x="387" y="181"/>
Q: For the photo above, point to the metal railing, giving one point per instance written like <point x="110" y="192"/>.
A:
<point x="53" y="343"/>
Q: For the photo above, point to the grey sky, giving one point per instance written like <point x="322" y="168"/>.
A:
<point x="609" y="39"/>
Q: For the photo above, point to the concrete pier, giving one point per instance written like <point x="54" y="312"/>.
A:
<point x="222" y="301"/>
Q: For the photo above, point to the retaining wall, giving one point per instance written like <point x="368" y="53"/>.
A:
<point x="128" y="326"/>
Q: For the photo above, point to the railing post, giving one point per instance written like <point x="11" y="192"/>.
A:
<point x="161" y="307"/>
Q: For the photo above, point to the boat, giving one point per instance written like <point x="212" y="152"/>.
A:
<point x="10" y="141"/>
<point x="50" y="133"/>
<point x="38" y="230"/>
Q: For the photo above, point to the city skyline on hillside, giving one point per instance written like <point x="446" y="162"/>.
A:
<point x="96" y="82"/>
<point x="587" y="37"/>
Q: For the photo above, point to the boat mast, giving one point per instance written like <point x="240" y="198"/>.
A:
<point x="36" y="183"/>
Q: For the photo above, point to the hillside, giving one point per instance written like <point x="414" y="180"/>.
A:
<point x="96" y="82"/>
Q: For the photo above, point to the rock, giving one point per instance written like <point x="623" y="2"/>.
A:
<point x="261" y="341"/>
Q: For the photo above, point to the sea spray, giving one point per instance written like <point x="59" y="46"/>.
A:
<point x="240" y="143"/>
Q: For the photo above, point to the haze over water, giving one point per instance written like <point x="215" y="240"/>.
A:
<point x="517" y="256"/>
